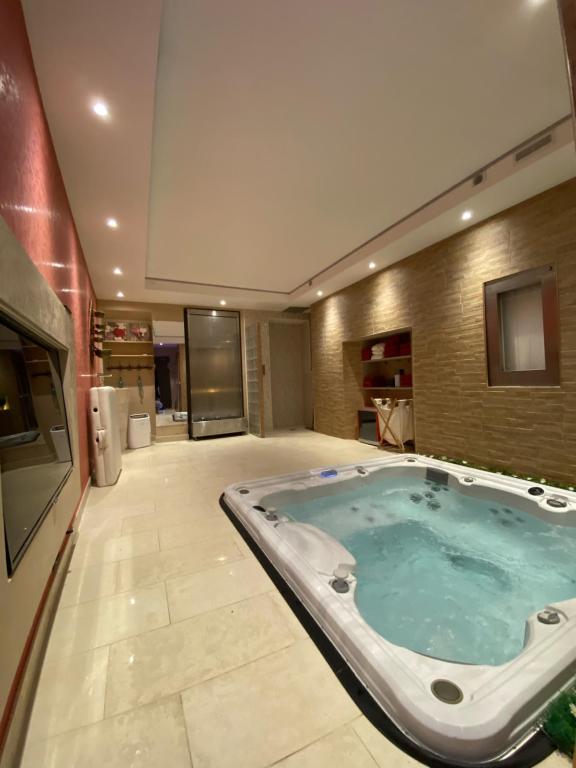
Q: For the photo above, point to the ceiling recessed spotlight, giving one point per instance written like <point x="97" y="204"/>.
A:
<point x="223" y="303"/>
<point x="112" y="223"/>
<point x="213" y="313"/>
<point x="319" y="293"/>
<point x="372" y="265"/>
<point x="466" y="216"/>
<point x="117" y="271"/>
<point x="120" y="295"/>
<point x="100" y="108"/>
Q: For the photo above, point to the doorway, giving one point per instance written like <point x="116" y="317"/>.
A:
<point x="278" y="376"/>
<point x="290" y="375"/>
<point x="167" y="383"/>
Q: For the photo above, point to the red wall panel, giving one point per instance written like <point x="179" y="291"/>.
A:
<point x="33" y="199"/>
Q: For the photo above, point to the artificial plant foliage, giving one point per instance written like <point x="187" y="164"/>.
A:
<point x="560" y="721"/>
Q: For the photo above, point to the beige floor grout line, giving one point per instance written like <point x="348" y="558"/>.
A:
<point x="176" y="623"/>
<point x="167" y="603"/>
<point x="182" y="691"/>
<point x="342" y="726"/>
<point x="116" y="563"/>
<point x="105" y="685"/>
<point x="70" y="730"/>
<point x="157" y="551"/>
<point x="367" y="748"/>
<point x="186" y="730"/>
<point x="105" y="719"/>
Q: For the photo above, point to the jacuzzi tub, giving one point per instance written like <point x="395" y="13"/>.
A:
<point x="469" y="713"/>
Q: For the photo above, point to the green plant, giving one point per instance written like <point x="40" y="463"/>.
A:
<point x="560" y="721"/>
<point x="506" y="472"/>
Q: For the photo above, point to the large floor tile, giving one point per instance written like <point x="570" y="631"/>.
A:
<point x="83" y="584"/>
<point x="150" y="569"/>
<point x="341" y="749"/>
<point x="114" y="503"/>
<point x="70" y="694"/>
<point x="386" y="754"/>
<point x="149" y="737"/>
<point x="266" y="710"/>
<point x="188" y="533"/>
<point x="89" y="625"/>
<point x="295" y="626"/>
<point x="200" y="592"/>
<point x="156" y="664"/>
<point x="94" y="525"/>
<point x="180" y="497"/>
<point x="179" y="514"/>
<point x="109" y="550"/>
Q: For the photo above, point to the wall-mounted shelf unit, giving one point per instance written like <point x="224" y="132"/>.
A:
<point x="127" y="331"/>
<point x="128" y="360"/>
<point x="384" y="372"/>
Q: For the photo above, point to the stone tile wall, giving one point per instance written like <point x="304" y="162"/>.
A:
<point x="438" y="293"/>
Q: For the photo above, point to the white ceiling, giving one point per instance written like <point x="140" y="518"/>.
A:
<point x="252" y="145"/>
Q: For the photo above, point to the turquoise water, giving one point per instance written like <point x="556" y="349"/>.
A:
<point x="444" y="574"/>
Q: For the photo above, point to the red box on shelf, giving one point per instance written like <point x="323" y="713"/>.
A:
<point x="366" y="353"/>
<point x="405" y="379"/>
<point x="405" y="349"/>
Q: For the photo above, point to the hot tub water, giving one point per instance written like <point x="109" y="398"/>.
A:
<point x="442" y="573"/>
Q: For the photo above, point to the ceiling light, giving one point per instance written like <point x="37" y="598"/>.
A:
<point x="112" y="223"/>
<point x="117" y="271"/>
<point x="372" y="265"/>
<point x="466" y="216"/>
<point x="223" y="303"/>
<point x="319" y="293"/>
<point x="100" y="108"/>
<point x="120" y="295"/>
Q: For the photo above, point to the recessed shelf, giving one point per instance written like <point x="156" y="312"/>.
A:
<point x="369" y="442"/>
<point x="389" y="389"/>
<point x="386" y="359"/>
<point x="130" y="355"/>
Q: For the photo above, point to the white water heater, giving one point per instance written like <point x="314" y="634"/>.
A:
<point x="105" y="436"/>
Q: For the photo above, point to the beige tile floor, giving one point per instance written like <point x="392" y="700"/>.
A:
<point x="171" y="646"/>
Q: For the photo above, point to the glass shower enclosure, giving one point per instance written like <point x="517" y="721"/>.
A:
<point x="214" y="372"/>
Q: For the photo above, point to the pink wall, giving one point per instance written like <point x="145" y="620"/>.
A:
<point x="33" y="199"/>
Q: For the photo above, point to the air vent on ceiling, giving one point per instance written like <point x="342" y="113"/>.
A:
<point x="534" y="147"/>
<point x="296" y="310"/>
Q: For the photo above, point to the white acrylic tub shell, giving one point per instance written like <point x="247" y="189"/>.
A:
<point x="500" y="704"/>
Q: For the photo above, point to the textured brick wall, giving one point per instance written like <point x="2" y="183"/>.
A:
<point x="438" y="292"/>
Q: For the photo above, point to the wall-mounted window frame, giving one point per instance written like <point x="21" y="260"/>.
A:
<point x="498" y="376"/>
